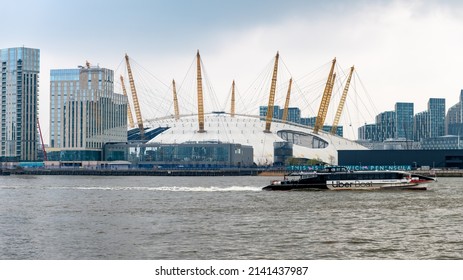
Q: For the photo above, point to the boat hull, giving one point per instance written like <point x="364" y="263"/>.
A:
<point x="294" y="187"/>
<point x="302" y="187"/>
<point x="349" y="180"/>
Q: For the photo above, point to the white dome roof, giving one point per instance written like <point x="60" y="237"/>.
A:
<point x="249" y="130"/>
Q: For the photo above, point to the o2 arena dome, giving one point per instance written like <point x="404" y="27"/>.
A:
<point x="248" y="130"/>
<point x="260" y="132"/>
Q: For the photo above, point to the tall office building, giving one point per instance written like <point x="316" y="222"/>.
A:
<point x="368" y="132"/>
<point x="85" y="113"/>
<point x="276" y="112"/>
<point x="404" y="120"/>
<point x="453" y="120"/>
<point x="420" y="126"/>
<point x="453" y="124"/>
<point x="385" y="126"/>
<point x="294" y="114"/>
<point x="20" y="69"/>
<point x="436" y="113"/>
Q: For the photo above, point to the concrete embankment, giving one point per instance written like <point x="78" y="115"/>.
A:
<point x="137" y="172"/>
<point x="189" y="172"/>
<point x="272" y="173"/>
<point x="430" y="173"/>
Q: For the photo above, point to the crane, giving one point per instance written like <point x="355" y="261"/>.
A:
<point x="285" y="111"/>
<point x="341" y="103"/>
<point x="135" y="99"/>
<point x="323" y="109"/>
<point x="129" y="111"/>
<point x="41" y="140"/>
<point x="174" y="90"/>
<point x="271" y="98"/>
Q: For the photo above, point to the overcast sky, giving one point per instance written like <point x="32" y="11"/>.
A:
<point x="404" y="51"/>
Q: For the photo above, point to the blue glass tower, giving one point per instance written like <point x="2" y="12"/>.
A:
<point x="276" y="112"/>
<point x="385" y="126"/>
<point x="421" y="121"/>
<point x="436" y="114"/>
<point x="404" y="120"/>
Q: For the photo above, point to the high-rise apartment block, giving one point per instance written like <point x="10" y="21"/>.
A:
<point x="436" y="110"/>
<point x="421" y="124"/>
<point x="397" y="124"/>
<point x="402" y="125"/>
<point x="85" y="113"/>
<point x="385" y="126"/>
<point x="294" y="116"/>
<point x="404" y="120"/>
<point x="20" y="69"/>
<point x="276" y="112"/>
<point x="453" y="120"/>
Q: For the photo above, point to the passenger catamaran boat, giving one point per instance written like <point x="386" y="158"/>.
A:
<point x="340" y="178"/>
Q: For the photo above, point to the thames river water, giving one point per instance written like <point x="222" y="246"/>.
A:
<point x="79" y="217"/>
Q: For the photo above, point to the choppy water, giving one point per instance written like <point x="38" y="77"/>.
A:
<point x="66" y="217"/>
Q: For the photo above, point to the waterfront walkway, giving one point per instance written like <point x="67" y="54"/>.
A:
<point x="138" y="172"/>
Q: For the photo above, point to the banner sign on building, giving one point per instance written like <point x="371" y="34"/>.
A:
<point x="351" y="167"/>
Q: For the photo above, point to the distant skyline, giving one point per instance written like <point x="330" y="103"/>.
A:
<point x="404" y="51"/>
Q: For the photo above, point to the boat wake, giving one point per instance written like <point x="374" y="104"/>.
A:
<point x="147" y="188"/>
<point x="174" y="188"/>
<point x="209" y="189"/>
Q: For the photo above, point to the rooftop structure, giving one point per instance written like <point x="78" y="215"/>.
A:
<point x="249" y="130"/>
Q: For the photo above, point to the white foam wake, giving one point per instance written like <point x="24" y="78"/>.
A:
<point x="209" y="189"/>
<point x="162" y="188"/>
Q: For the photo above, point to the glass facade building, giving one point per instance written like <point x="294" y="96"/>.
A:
<point x="436" y="113"/>
<point x="453" y="123"/>
<point x="276" y="112"/>
<point x="453" y="120"/>
<point x="448" y="142"/>
<point x="420" y="121"/>
<point x="404" y="120"/>
<point x="85" y="113"/>
<point x="294" y="116"/>
<point x="385" y="125"/>
<point x="368" y="132"/>
<point x="384" y="128"/>
<point x="20" y="68"/>
<point x="186" y="155"/>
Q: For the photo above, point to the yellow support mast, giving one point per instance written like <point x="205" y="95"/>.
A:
<point x="135" y="99"/>
<point x="232" y="111"/>
<point x="174" y="89"/>
<point x="271" y="99"/>
<point x="334" y="128"/>
<point x="285" y="111"/>
<point x="323" y="109"/>
<point x="200" y="94"/>
<point x="129" y="111"/>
